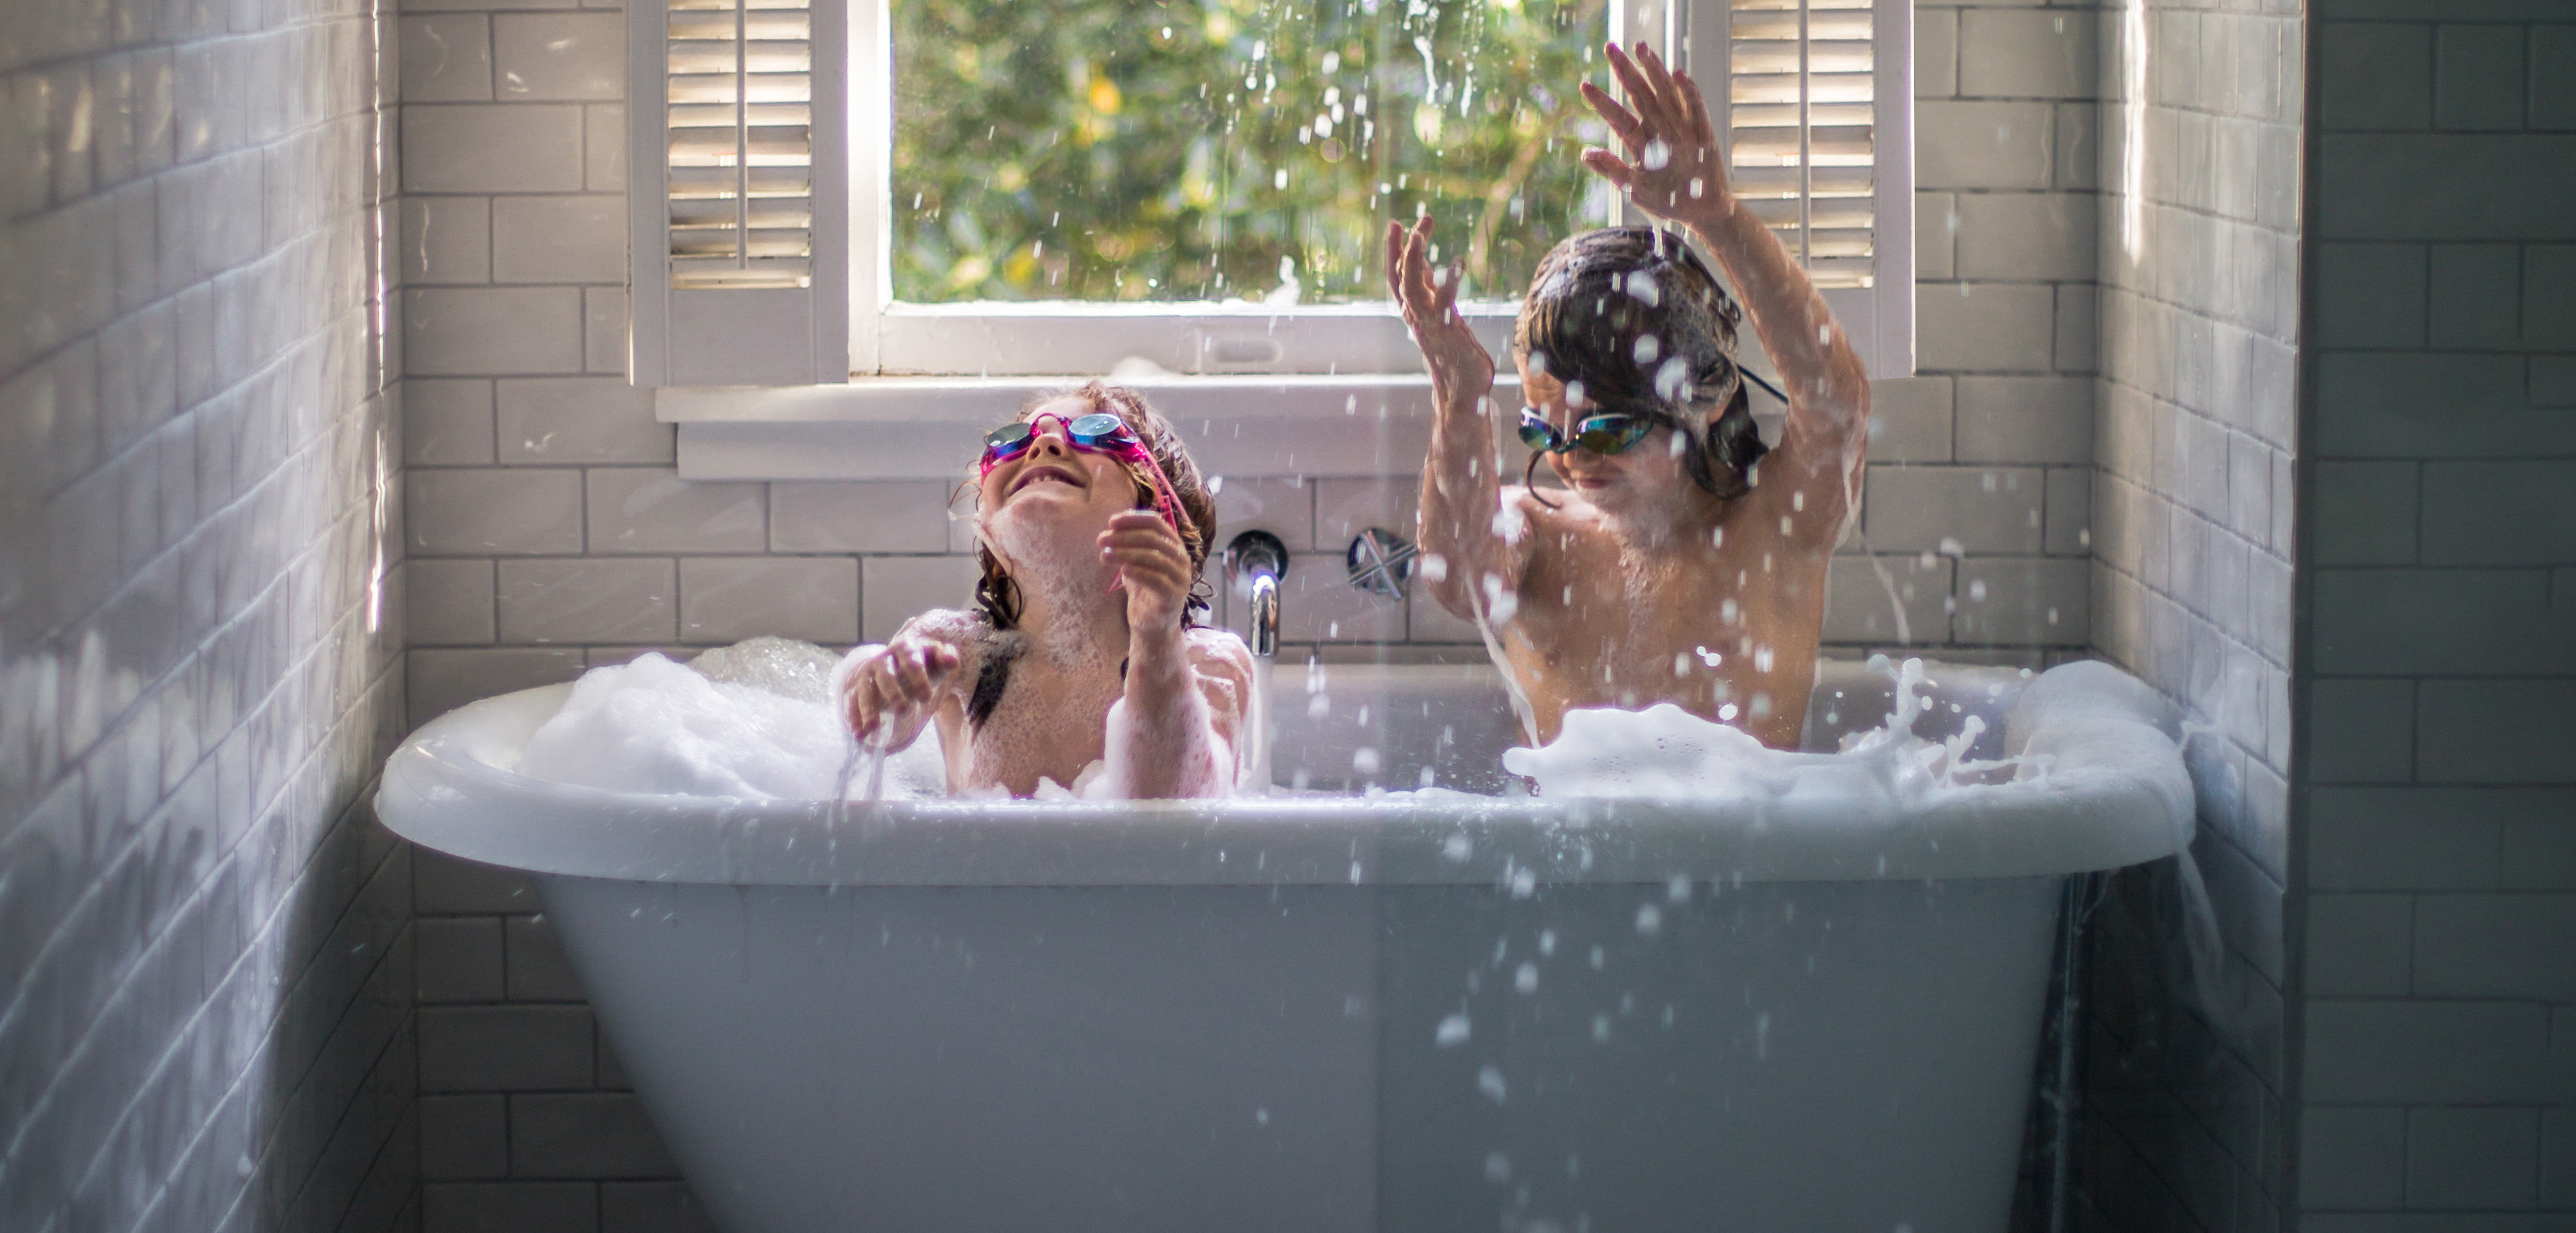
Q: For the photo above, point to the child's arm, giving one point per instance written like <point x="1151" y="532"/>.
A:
<point x="1674" y="170"/>
<point x="1465" y="526"/>
<point x="1165" y="739"/>
<point x="888" y="693"/>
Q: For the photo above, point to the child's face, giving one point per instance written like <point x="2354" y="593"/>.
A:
<point x="1643" y="476"/>
<point x="1053" y="498"/>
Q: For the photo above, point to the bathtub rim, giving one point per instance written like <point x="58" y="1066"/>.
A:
<point x="2118" y="797"/>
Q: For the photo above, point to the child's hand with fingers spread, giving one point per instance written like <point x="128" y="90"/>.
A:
<point x="887" y="700"/>
<point x="1673" y="169"/>
<point x="1459" y="366"/>
<point x="1153" y="568"/>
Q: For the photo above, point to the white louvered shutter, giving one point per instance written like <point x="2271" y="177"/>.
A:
<point x="739" y="198"/>
<point x="1819" y="128"/>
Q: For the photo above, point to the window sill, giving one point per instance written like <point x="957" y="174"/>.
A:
<point x="1238" y="425"/>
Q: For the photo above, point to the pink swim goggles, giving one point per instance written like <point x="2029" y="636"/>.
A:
<point x="1096" y="433"/>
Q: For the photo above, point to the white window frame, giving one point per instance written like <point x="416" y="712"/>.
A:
<point x="847" y="327"/>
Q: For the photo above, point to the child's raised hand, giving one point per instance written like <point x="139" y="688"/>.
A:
<point x="1152" y="567"/>
<point x="1673" y="169"/>
<point x="1429" y="297"/>
<point x="888" y="699"/>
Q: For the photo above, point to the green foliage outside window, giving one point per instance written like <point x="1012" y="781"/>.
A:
<point x="1175" y="150"/>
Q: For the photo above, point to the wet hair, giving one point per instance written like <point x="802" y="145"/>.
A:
<point x="998" y="598"/>
<point x="1592" y="305"/>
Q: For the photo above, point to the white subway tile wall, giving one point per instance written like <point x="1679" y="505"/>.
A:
<point x="2440" y="794"/>
<point x="2192" y="445"/>
<point x="205" y="937"/>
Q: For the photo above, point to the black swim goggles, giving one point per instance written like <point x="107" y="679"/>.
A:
<point x="1602" y="434"/>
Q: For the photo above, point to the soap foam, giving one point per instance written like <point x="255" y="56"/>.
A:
<point x="798" y="670"/>
<point x="765" y="731"/>
<point x="1667" y="753"/>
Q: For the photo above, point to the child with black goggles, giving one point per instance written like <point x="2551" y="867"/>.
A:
<point x="1682" y="559"/>
<point x="1080" y="666"/>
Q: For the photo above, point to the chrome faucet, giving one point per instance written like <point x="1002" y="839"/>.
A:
<point x="1254" y="563"/>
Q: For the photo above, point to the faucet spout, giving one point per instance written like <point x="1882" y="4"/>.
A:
<point x="1254" y="563"/>
<point x="1265" y="615"/>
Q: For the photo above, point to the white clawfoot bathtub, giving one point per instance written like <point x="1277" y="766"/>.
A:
<point x="1318" y="1013"/>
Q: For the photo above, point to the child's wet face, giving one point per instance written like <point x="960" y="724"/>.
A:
<point x="1643" y="474"/>
<point x="1052" y="491"/>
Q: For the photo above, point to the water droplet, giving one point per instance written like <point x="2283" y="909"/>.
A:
<point x="1525" y="978"/>
<point x="1650" y="919"/>
<point x="1490" y="1081"/>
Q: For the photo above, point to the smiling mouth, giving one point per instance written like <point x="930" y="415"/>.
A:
<point x="1042" y="473"/>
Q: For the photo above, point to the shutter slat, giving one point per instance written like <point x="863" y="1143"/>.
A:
<point x="740" y="156"/>
<point x="1801" y="127"/>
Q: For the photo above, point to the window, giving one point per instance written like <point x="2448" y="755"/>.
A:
<point x="983" y="188"/>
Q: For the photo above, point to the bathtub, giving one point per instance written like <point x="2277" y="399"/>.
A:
<point x="1331" y="1012"/>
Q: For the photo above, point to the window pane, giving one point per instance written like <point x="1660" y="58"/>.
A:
<point x="1232" y="149"/>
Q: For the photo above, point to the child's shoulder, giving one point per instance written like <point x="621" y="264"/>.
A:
<point x="949" y="625"/>
<point x="1218" y="653"/>
<point x="1222" y="665"/>
<point x="1210" y="647"/>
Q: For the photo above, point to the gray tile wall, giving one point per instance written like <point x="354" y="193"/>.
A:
<point x="527" y="1121"/>
<point x="547" y="529"/>
<point x="2198" y="238"/>
<point x="205" y="948"/>
<point x="1979" y="491"/>
<point x="2437" y="791"/>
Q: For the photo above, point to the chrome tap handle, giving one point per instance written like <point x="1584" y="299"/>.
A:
<point x="1381" y="562"/>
